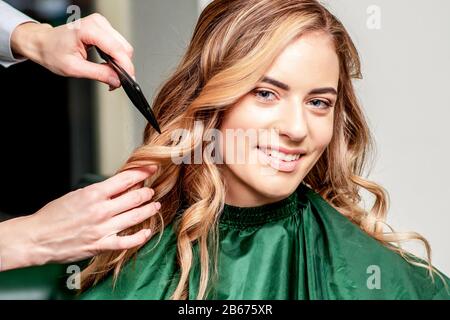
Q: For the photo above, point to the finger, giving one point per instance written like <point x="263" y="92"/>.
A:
<point x="108" y="42"/>
<point x="122" y="57"/>
<point x="129" y="50"/>
<point x="100" y="72"/>
<point x="131" y="218"/>
<point x="106" y="25"/>
<point x="125" y="62"/>
<point x="124" y="242"/>
<point x="129" y="200"/>
<point x="125" y="180"/>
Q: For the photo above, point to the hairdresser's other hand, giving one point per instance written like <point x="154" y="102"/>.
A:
<point x="63" y="50"/>
<point x="80" y="224"/>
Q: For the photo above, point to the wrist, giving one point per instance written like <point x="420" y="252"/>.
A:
<point x="27" y="40"/>
<point x="18" y="247"/>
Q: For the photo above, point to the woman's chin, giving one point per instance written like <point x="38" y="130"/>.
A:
<point x="276" y="191"/>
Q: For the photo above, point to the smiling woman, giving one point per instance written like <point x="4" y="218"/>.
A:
<point x="286" y="223"/>
<point x="301" y="90"/>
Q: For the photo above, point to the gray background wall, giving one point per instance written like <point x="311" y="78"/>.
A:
<point x="406" y="69"/>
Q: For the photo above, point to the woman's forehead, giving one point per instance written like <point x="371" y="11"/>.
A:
<point x="308" y="61"/>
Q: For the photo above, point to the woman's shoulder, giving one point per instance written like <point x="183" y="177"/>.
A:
<point x="364" y="262"/>
<point x="148" y="275"/>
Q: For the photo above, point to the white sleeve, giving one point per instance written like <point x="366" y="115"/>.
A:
<point x="10" y="18"/>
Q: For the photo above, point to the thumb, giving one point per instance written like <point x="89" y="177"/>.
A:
<point x="95" y="71"/>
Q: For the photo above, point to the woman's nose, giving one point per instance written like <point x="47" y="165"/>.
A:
<point x="293" y="121"/>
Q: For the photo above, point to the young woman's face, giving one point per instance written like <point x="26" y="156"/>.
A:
<point x="292" y="111"/>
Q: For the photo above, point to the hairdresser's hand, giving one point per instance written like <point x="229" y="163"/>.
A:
<point x="80" y="224"/>
<point x="63" y="50"/>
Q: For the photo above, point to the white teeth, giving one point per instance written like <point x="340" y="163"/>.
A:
<point x="291" y="157"/>
<point x="281" y="155"/>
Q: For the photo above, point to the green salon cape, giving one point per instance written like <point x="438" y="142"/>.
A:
<point x="296" y="248"/>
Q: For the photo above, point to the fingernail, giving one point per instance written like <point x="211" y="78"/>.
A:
<point x="157" y="205"/>
<point x="147" y="233"/>
<point x="114" y="82"/>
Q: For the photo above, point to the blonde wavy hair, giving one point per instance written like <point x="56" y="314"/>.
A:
<point x="234" y="43"/>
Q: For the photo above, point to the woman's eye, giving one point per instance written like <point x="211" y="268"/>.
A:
<point x="320" y="104"/>
<point x="265" y="95"/>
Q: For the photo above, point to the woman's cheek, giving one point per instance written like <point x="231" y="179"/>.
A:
<point x="321" y="132"/>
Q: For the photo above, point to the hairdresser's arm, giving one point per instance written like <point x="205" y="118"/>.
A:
<point x="10" y="19"/>
<point x="81" y="224"/>
<point x="63" y="50"/>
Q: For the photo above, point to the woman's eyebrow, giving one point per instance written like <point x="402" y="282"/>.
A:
<point x="285" y="87"/>
<point x="276" y="83"/>
<point x="323" y="91"/>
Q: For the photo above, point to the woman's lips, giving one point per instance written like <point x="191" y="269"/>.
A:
<point x="279" y="164"/>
